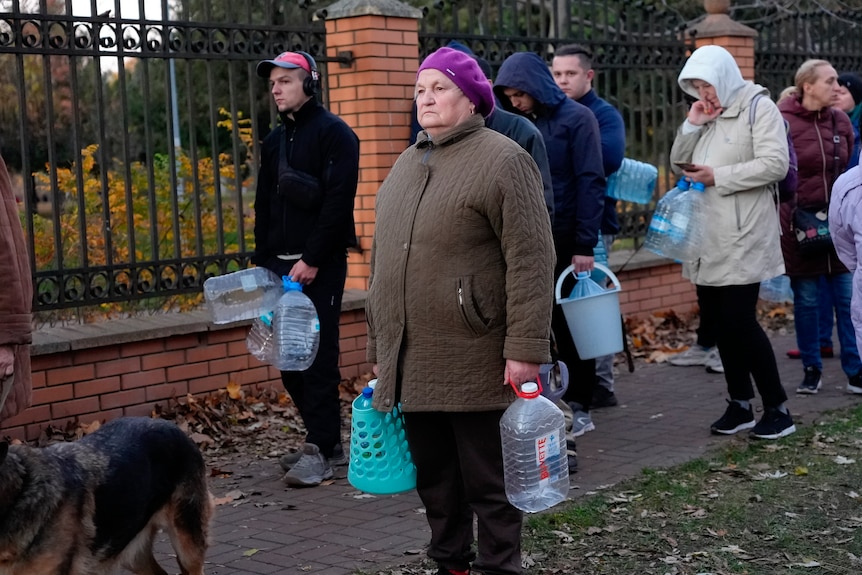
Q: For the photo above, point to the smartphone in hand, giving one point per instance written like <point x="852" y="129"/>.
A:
<point x="684" y="165"/>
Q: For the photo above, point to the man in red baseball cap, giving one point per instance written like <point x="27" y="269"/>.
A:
<point x="306" y="186"/>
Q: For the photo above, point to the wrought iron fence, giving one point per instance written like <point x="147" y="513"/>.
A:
<point x="638" y="52"/>
<point x="785" y="42"/>
<point x="136" y="139"/>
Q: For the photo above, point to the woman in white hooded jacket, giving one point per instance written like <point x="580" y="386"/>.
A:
<point x="738" y="156"/>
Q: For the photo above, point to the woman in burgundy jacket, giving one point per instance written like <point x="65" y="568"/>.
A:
<point x="823" y="139"/>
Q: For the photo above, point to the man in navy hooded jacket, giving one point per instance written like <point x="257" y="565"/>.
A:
<point x="525" y="85"/>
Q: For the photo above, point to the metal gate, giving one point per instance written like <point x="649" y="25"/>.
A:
<point x="638" y="53"/>
<point x="133" y="138"/>
<point x="785" y="42"/>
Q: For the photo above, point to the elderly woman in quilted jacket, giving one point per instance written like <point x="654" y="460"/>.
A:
<point x="459" y="305"/>
<point x="15" y="302"/>
<point x="823" y="139"/>
<point x="738" y="154"/>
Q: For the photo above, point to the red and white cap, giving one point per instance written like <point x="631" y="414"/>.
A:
<point x="284" y="60"/>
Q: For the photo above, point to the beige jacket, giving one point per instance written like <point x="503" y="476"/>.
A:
<point x="741" y="234"/>
<point x="461" y="272"/>
<point x="16" y="299"/>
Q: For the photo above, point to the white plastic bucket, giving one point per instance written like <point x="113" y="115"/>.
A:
<point x="594" y="320"/>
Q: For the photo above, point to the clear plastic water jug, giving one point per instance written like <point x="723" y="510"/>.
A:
<point x="676" y="229"/>
<point x="535" y="466"/>
<point x="259" y="340"/>
<point x="777" y="290"/>
<point x="245" y="294"/>
<point x="380" y="460"/>
<point x="296" y="329"/>
<point x="634" y="181"/>
<point x="600" y="254"/>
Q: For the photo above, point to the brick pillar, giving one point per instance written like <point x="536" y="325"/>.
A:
<point x="717" y="28"/>
<point x="374" y="96"/>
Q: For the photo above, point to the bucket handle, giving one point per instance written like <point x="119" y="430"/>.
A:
<point x="571" y="269"/>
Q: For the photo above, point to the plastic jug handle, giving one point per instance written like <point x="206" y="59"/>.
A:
<point x="520" y="393"/>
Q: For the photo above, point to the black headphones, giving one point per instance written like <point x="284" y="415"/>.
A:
<point x="311" y="84"/>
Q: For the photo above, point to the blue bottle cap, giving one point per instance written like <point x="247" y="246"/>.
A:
<point x="290" y="285"/>
<point x="682" y="184"/>
<point x="698" y="186"/>
<point x="367" y="392"/>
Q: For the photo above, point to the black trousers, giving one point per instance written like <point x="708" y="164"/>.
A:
<point x="459" y="473"/>
<point x="707" y="328"/>
<point x="582" y="372"/>
<point x="745" y="350"/>
<point x="315" y="390"/>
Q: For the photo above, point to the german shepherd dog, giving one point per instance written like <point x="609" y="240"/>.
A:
<point x="90" y="506"/>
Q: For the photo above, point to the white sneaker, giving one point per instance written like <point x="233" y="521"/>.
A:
<point x="582" y="422"/>
<point x="694" y="355"/>
<point x="713" y="361"/>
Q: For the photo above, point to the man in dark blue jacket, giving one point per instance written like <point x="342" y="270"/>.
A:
<point x="572" y="68"/>
<point x="525" y="85"/>
<point x="512" y="126"/>
<point x="306" y="187"/>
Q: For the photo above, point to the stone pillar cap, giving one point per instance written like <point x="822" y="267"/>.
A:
<point x="348" y="8"/>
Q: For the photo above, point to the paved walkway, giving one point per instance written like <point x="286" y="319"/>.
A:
<point x="662" y="420"/>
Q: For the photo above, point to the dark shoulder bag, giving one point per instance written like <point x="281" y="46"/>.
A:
<point x="300" y="189"/>
<point x="811" y="225"/>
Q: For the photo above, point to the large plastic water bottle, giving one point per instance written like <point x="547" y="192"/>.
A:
<point x="296" y="329"/>
<point x="259" y="340"/>
<point x="659" y="227"/>
<point x="585" y="286"/>
<point x="600" y="254"/>
<point x="675" y="230"/>
<point x="535" y="466"/>
<point x="686" y="232"/>
<point x="245" y="294"/>
<point x="777" y="290"/>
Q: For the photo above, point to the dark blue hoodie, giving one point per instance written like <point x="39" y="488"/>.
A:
<point x="574" y="147"/>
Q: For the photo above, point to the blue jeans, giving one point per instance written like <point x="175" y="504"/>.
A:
<point x="827" y="313"/>
<point x="806" y="310"/>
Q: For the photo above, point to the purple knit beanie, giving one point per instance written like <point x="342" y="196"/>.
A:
<point x="465" y="72"/>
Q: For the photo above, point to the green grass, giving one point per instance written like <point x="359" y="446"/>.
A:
<point x="793" y="506"/>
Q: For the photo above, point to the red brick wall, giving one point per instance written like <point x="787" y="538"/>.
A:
<point x="650" y="289"/>
<point x="114" y="380"/>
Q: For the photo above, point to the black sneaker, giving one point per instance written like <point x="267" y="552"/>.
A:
<point x="572" y="454"/>
<point x="773" y="424"/>
<point x="812" y="382"/>
<point x="854" y="384"/>
<point x="603" y="397"/>
<point x="735" y="419"/>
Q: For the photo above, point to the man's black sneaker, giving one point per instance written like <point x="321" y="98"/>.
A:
<point x="854" y="384"/>
<point x="572" y="455"/>
<point x="735" y="419"/>
<point x="773" y="424"/>
<point x="812" y="382"/>
<point x="603" y="397"/>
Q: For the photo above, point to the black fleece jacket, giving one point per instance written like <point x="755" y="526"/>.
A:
<point x="320" y="144"/>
